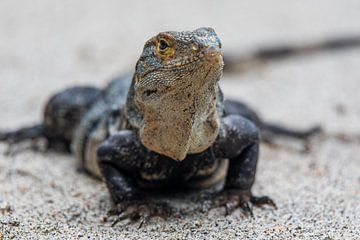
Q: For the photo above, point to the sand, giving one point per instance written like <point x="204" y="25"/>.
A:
<point x="47" y="46"/>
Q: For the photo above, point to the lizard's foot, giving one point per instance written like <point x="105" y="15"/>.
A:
<point x="234" y="198"/>
<point x="140" y="210"/>
<point x="24" y="138"/>
<point x="14" y="148"/>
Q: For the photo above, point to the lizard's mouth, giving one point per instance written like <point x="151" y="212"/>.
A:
<point x="208" y="56"/>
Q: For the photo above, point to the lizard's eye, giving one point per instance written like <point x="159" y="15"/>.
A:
<point x="165" y="48"/>
<point x="163" y="45"/>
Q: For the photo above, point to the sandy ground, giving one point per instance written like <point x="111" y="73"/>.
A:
<point x="46" y="46"/>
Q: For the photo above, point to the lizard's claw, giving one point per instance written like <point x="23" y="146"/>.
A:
<point x="140" y="211"/>
<point x="232" y="199"/>
<point x="262" y="200"/>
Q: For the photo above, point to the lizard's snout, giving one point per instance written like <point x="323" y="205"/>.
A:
<point x="208" y="39"/>
<point x="213" y="55"/>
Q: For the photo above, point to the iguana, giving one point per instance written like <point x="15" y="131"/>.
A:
<point x="167" y="126"/>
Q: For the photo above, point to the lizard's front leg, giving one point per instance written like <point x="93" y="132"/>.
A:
<point x="239" y="142"/>
<point x="120" y="157"/>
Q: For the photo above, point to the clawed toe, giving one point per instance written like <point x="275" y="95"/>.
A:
<point x="247" y="208"/>
<point x="233" y="199"/>
<point x="263" y="200"/>
<point x="140" y="211"/>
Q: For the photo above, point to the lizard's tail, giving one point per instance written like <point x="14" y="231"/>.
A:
<point x="32" y="132"/>
<point x="237" y="63"/>
<point x="268" y="130"/>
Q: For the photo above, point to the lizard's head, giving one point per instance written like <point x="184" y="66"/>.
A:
<point x="173" y="96"/>
<point x="173" y="56"/>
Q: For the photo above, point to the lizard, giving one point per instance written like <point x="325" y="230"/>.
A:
<point x="167" y="126"/>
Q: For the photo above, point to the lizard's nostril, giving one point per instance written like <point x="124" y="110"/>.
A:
<point x="220" y="45"/>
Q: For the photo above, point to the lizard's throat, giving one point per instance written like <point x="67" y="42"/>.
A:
<point x="177" y="126"/>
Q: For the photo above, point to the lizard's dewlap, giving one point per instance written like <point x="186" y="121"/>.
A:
<point x="178" y="129"/>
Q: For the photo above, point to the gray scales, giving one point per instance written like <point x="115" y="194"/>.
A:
<point x="167" y="125"/>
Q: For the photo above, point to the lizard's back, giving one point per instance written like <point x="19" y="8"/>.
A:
<point x="102" y="118"/>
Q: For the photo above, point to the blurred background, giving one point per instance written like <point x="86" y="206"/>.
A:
<point x="46" y="46"/>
